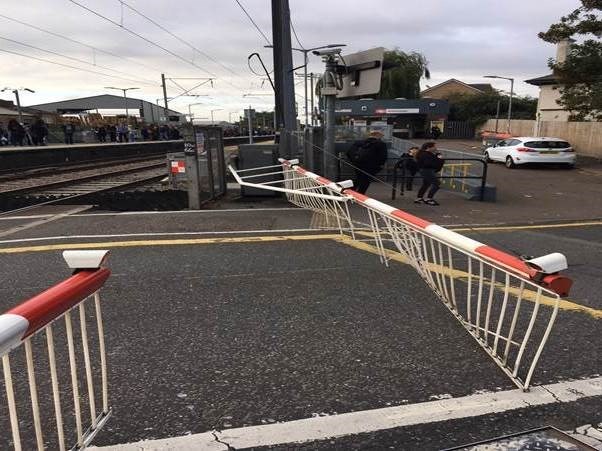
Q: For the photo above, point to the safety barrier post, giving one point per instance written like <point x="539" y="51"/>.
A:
<point x="22" y="327"/>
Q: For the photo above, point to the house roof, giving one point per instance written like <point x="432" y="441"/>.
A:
<point x="482" y="86"/>
<point x="477" y="87"/>
<point x="550" y="79"/>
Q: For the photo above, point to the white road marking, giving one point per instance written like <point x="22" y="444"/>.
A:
<point x="142" y="213"/>
<point x="44" y="220"/>
<point x="325" y="427"/>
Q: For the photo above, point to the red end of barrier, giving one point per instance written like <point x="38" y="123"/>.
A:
<point x="52" y="303"/>
<point x="414" y="220"/>
<point x="507" y="260"/>
<point x="558" y="284"/>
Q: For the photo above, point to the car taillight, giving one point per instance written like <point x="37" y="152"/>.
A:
<point x="570" y="149"/>
<point x="524" y="149"/>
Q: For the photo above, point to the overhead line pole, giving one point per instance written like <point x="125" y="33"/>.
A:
<point x="283" y="73"/>
<point x="164" y="91"/>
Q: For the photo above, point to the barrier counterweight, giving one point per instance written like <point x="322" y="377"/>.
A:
<point x="54" y="361"/>
<point x="508" y="305"/>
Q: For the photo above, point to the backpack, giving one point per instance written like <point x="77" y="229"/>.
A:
<point x="360" y="152"/>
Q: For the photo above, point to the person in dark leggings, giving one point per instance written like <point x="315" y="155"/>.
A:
<point x="429" y="163"/>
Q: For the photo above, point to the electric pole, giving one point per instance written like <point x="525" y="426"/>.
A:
<point x="164" y="91"/>
<point x="329" y="91"/>
<point x="283" y="73"/>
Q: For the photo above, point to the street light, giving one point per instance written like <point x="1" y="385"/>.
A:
<point x="190" y="111"/>
<point x="305" y="52"/>
<point x="259" y="95"/>
<point x="511" y="95"/>
<point x="218" y="109"/>
<point x="127" y="112"/>
<point x="16" y="93"/>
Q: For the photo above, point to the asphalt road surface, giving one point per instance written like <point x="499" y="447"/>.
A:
<point x="257" y="319"/>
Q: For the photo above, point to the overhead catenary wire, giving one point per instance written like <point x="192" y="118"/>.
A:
<point x="183" y="41"/>
<point x="253" y="22"/>
<point x="175" y="55"/>
<point x="68" y="66"/>
<point x="75" y="41"/>
<point x="296" y="36"/>
<point x="52" y="52"/>
<point x="159" y="46"/>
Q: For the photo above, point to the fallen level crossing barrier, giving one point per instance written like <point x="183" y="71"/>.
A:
<point x="507" y="304"/>
<point x="59" y="374"/>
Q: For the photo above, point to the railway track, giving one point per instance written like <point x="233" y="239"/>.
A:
<point x="10" y="175"/>
<point x="86" y="180"/>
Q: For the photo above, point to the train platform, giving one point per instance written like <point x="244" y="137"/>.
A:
<point x="250" y="328"/>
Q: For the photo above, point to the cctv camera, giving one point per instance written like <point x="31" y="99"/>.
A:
<point x="327" y="52"/>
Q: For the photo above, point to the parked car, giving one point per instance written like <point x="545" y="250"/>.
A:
<point x="516" y="151"/>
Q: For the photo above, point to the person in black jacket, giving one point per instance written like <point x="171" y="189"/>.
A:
<point x="429" y="163"/>
<point x="367" y="157"/>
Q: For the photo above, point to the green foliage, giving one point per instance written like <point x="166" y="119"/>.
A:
<point x="581" y="73"/>
<point x="477" y="108"/>
<point x="402" y="73"/>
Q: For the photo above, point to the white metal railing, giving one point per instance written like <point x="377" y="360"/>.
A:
<point x="508" y="305"/>
<point x="64" y="398"/>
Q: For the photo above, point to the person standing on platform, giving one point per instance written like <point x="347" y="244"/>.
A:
<point x="39" y="132"/>
<point x="122" y="132"/>
<point x="112" y="133"/>
<point x="429" y="162"/>
<point x="16" y="133"/>
<point x="68" y="131"/>
<point x="368" y="158"/>
<point x="101" y="132"/>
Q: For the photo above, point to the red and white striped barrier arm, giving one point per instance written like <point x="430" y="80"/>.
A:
<point x="558" y="283"/>
<point x="32" y="315"/>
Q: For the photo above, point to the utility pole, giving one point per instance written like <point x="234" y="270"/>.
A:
<point x="312" y="98"/>
<point x="250" y="124"/>
<point x="497" y="115"/>
<point x="18" y="99"/>
<point x="16" y="91"/>
<point x="283" y="73"/>
<point x="329" y="91"/>
<point x="164" y="91"/>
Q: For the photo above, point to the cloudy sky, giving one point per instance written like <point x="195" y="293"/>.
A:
<point x="464" y="39"/>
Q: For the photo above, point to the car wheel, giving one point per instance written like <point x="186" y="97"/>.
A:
<point x="570" y="166"/>
<point x="487" y="158"/>
<point x="510" y="162"/>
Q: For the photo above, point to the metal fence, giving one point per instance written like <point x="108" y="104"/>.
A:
<point x="508" y="305"/>
<point x="65" y="367"/>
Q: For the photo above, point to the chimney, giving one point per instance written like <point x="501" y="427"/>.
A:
<point x="562" y="49"/>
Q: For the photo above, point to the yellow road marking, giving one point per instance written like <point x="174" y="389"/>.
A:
<point x="176" y="242"/>
<point x="395" y="256"/>
<point x="528" y="227"/>
<point x="528" y="295"/>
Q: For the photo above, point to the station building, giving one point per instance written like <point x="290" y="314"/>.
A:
<point x="409" y="118"/>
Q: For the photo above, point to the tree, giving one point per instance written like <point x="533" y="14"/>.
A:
<point x="580" y="73"/>
<point x="402" y="73"/>
<point x="477" y="108"/>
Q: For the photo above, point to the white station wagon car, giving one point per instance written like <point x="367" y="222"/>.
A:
<point x="517" y="151"/>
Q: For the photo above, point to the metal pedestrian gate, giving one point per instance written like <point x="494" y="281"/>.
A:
<point x="507" y="304"/>
<point x="59" y="345"/>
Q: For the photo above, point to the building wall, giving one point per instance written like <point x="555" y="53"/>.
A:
<point x="585" y="137"/>
<point x="447" y="90"/>
<point x="548" y="107"/>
